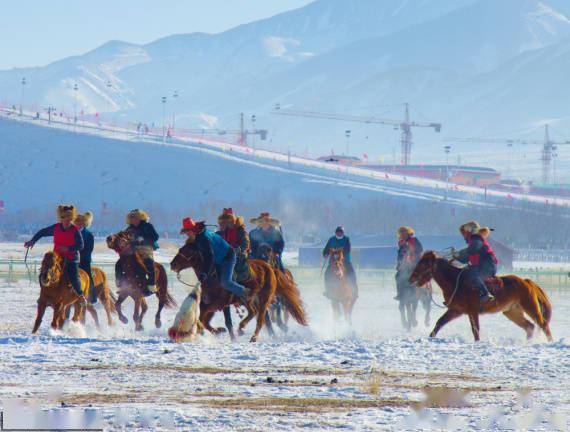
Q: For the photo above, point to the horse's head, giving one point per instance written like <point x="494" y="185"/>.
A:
<point x="423" y="272"/>
<point x="337" y="260"/>
<point x="188" y="256"/>
<point x="51" y="269"/>
<point x="119" y="241"/>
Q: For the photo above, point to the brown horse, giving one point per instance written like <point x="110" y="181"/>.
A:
<point x="513" y="297"/>
<point x="263" y="285"/>
<point x="104" y="294"/>
<point x="56" y="291"/>
<point x="135" y="281"/>
<point x="339" y="285"/>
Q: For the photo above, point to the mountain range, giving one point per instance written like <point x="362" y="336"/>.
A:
<point x="480" y="67"/>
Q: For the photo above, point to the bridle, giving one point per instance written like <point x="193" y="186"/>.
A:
<point x="187" y="259"/>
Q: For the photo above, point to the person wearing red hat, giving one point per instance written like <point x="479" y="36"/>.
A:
<point x="232" y="229"/>
<point x="216" y="253"/>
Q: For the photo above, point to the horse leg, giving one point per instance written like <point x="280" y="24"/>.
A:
<point x="264" y="304"/>
<point x="279" y="316"/>
<point x="336" y="310"/>
<point x="157" y="321"/>
<point x="39" y="316"/>
<point x="413" y="310"/>
<point x="427" y="307"/>
<point x="402" y="308"/>
<point x="516" y="315"/>
<point x="269" y="324"/>
<point x="144" y="308"/>
<point x="136" y="314"/>
<point x="93" y="314"/>
<point x="229" y="323"/>
<point x="251" y="312"/>
<point x="474" y="320"/>
<point x="118" y="304"/>
<point x="105" y="299"/>
<point x="448" y="316"/>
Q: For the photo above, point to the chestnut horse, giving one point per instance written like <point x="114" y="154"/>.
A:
<point x="56" y="291"/>
<point x="103" y="293"/>
<point x="514" y="297"/>
<point x="263" y="285"/>
<point x="135" y="281"/>
<point x="339" y="285"/>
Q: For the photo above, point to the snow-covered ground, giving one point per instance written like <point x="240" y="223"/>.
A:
<point x="372" y="377"/>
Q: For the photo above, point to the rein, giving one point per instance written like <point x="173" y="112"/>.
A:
<point x="454" y="291"/>
<point x="186" y="283"/>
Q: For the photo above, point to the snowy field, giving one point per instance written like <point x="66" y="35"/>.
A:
<point x="374" y="376"/>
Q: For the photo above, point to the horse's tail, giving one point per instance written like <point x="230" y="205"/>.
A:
<point x="162" y="282"/>
<point x="543" y="300"/>
<point x="291" y="296"/>
<point x="105" y="295"/>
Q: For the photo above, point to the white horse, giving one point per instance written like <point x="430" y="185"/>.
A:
<point x="187" y="321"/>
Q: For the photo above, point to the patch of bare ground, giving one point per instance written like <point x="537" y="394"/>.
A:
<point x="312" y="404"/>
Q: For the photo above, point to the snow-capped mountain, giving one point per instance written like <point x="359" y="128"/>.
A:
<point x="449" y="58"/>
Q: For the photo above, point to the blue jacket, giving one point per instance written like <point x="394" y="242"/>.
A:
<point x="145" y="234"/>
<point x="214" y="249"/>
<point x="336" y="243"/>
<point x="272" y="237"/>
<point x="88" y="245"/>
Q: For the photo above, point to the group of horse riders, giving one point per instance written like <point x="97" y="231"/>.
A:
<point x="478" y="254"/>
<point x="229" y="248"/>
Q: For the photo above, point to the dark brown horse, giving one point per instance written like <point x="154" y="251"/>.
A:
<point x="513" y="297"/>
<point x="263" y="286"/>
<point x="135" y="281"/>
<point x="56" y="291"/>
<point x="339" y="285"/>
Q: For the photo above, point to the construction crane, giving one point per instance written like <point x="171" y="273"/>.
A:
<point x="548" y="153"/>
<point x="405" y="125"/>
<point x="242" y="133"/>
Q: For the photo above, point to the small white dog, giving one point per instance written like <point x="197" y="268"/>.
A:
<point x="187" y="321"/>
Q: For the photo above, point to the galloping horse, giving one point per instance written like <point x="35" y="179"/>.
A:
<point x="103" y="293"/>
<point x="339" y="285"/>
<point x="56" y="291"/>
<point x="410" y="296"/>
<point x="513" y="297"/>
<point x="135" y="282"/>
<point x="263" y="287"/>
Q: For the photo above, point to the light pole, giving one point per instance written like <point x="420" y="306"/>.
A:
<point x="163" y="119"/>
<point x="447" y="150"/>
<point x="22" y="96"/>
<point x="75" y="88"/>
<point x="253" y="119"/>
<point x="347" y="135"/>
<point x="109" y="88"/>
<point x="174" y="98"/>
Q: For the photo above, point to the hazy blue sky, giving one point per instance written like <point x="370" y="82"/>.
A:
<point x="36" y="32"/>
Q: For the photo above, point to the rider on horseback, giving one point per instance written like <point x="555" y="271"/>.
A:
<point x="480" y="256"/>
<point x="67" y="242"/>
<point x="233" y="231"/>
<point x="340" y="241"/>
<point x="268" y="232"/>
<point x="217" y="252"/>
<point x="83" y="222"/>
<point x="145" y="242"/>
<point x="409" y="253"/>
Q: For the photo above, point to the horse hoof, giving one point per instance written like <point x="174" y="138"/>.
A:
<point x="241" y="332"/>
<point x="157" y="323"/>
<point x="124" y="320"/>
<point x="220" y="330"/>
<point x="139" y="328"/>
<point x="253" y="339"/>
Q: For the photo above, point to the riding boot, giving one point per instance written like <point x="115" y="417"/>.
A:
<point x="151" y="284"/>
<point x="484" y="294"/>
<point x="92" y="292"/>
<point x="398" y="293"/>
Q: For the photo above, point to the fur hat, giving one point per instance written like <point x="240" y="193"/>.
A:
<point x="138" y="214"/>
<point x="227" y="214"/>
<point x="471" y="227"/>
<point x="406" y="230"/>
<point x="265" y="218"/>
<point x="189" y="225"/>
<point x="85" y="218"/>
<point x="485" y="232"/>
<point x="64" y="210"/>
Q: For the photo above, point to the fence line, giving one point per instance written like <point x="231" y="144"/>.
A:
<point x="13" y="269"/>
